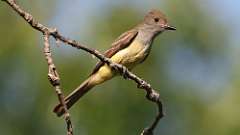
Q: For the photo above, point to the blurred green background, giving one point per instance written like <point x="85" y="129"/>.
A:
<point x="196" y="69"/>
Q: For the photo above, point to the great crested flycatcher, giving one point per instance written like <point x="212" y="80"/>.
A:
<point x="130" y="49"/>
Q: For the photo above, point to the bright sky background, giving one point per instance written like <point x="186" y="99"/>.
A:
<point x="226" y="11"/>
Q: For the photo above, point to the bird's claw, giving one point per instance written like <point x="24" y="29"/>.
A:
<point x="124" y="72"/>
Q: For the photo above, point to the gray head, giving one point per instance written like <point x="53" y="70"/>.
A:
<point x="157" y="22"/>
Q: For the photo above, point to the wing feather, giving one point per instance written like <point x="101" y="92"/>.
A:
<point x="120" y="43"/>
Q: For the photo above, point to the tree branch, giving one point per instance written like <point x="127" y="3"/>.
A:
<point x="151" y="95"/>
<point x="54" y="79"/>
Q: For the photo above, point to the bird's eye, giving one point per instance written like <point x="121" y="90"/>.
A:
<point x="156" y="19"/>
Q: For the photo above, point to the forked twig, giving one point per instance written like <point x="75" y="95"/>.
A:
<point x="54" y="79"/>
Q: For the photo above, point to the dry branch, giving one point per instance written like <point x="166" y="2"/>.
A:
<point x="151" y="95"/>
<point x="55" y="81"/>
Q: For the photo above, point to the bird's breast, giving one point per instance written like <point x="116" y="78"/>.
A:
<point x="132" y="55"/>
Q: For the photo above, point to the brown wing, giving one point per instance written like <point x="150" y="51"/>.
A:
<point x="122" y="42"/>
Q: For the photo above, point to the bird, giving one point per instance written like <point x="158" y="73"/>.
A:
<point x="129" y="49"/>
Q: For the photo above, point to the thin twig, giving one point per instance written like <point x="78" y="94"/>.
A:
<point x="54" y="79"/>
<point x="151" y="95"/>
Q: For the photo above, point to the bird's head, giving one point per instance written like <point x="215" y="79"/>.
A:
<point x="157" y="21"/>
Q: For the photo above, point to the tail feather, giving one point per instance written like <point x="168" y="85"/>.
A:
<point x="73" y="97"/>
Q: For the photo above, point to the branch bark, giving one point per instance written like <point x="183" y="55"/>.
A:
<point x="151" y="94"/>
<point x="54" y="79"/>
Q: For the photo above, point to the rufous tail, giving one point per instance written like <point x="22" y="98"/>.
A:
<point x="72" y="98"/>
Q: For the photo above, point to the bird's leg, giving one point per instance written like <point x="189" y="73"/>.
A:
<point x="123" y="72"/>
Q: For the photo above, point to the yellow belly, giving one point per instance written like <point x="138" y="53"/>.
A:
<point x="129" y="57"/>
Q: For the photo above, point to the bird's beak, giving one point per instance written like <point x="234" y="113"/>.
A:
<point x="168" y="27"/>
